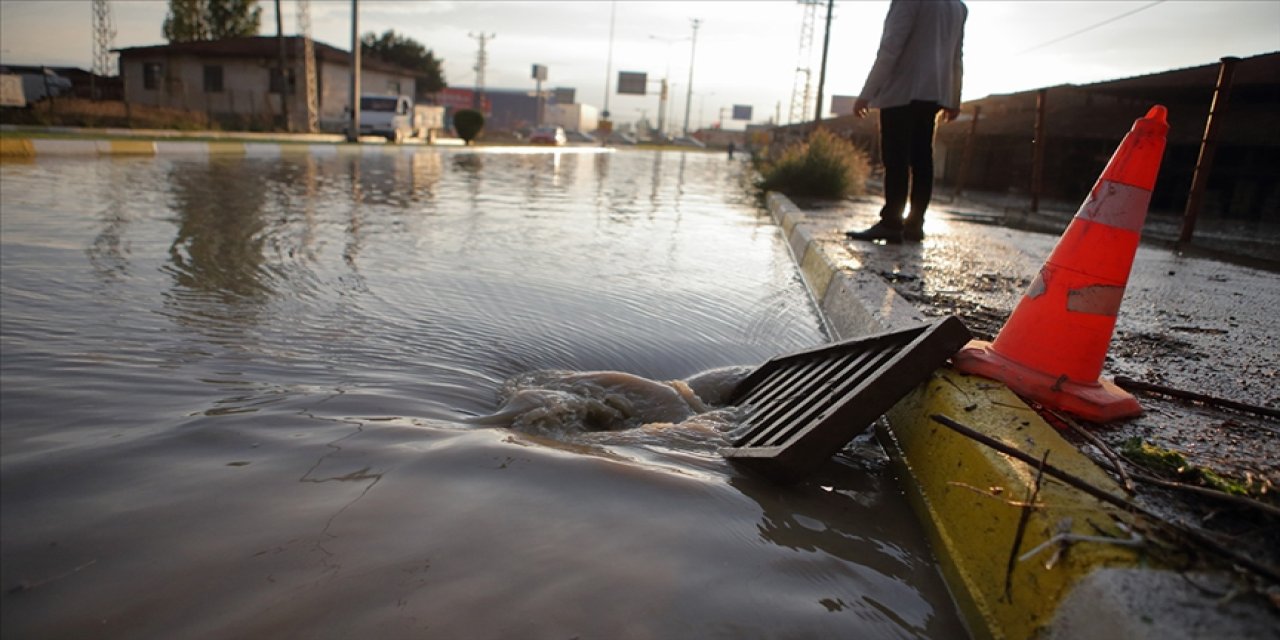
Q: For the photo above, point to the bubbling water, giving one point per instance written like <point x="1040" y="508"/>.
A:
<point x="563" y="404"/>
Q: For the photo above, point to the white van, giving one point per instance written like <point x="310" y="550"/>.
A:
<point x="388" y="116"/>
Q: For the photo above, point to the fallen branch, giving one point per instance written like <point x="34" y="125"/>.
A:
<point x="1210" y="493"/>
<point x="1130" y="384"/>
<point x="1200" y="539"/>
<point x="1134" y="540"/>
<point x="1022" y="529"/>
<point x="1102" y="446"/>
<point x="995" y="496"/>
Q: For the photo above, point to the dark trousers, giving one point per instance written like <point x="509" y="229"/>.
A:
<point x="906" y="148"/>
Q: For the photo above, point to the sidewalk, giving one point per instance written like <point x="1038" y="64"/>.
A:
<point x="1186" y="322"/>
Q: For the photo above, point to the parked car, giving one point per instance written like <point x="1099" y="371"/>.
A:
<point x="548" y="135"/>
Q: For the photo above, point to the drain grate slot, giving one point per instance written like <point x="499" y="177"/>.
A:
<point x="802" y="408"/>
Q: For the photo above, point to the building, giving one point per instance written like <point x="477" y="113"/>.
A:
<point x="237" y="81"/>
<point x="511" y="110"/>
<point x="39" y="82"/>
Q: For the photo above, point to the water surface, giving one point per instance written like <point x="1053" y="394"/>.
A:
<point x="238" y="398"/>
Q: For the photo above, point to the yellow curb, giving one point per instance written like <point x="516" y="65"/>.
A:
<point x="226" y="147"/>
<point x="963" y="491"/>
<point x="127" y="148"/>
<point x="297" y="149"/>
<point x="17" y="148"/>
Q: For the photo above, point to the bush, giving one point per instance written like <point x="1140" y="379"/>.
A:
<point x="468" y="124"/>
<point x="824" y="166"/>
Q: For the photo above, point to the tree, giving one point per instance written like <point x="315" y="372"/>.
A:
<point x="408" y="53"/>
<point x="196" y="20"/>
<point x="186" y="21"/>
<point x="233" y="18"/>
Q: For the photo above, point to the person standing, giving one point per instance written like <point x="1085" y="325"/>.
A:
<point x="916" y="76"/>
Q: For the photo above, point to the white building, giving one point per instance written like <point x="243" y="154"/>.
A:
<point x="237" y="80"/>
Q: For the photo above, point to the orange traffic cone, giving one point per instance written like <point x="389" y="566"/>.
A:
<point x="1052" y="347"/>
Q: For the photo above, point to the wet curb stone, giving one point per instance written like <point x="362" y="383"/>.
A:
<point x="969" y="497"/>
<point x="31" y="148"/>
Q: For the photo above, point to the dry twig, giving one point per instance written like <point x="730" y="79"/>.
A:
<point x="1199" y="539"/>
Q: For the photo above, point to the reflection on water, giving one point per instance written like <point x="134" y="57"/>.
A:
<point x="239" y="397"/>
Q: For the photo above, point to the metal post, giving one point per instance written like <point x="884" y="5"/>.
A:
<point x="353" y="129"/>
<point x="1037" y="155"/>
<point x="284" y="78"/>
<point x="968" y="151"/>
<point x="608" y="65"/>
<point x="822" y="71"/>
<point x="688" y="96"/>
<point x="662" y="111"/>
<point x="1208" y="145"/>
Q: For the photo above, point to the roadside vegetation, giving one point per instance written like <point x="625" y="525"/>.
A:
<point x="77" y="112"/>
<point x="468" y="123"/>
<point x="821" y="166"/>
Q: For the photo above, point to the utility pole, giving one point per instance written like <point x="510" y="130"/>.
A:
<point x="822" y="71"/>
<point x="309" y="66"/>
<point x="481" y="60"/>
<point x="800" y="88"/>
<point x="284" y="69"/>
<point x="353" y="129"/>
<point x="104" y="35"/>
<point x="608" y="65"/>
<point x="688" y="96"/>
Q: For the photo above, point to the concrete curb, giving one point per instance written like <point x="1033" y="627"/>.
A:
<point x="31" y="148"/>
<point x="965" y="493"/>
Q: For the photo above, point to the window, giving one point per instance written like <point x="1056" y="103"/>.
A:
<point x="386" y="104"/>
<point x="152" y="75"/>
<point x="212" y="79"/>
<point x="276" y="83"/>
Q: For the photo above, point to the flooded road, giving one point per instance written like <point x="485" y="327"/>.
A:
<point x="240" y="399"/>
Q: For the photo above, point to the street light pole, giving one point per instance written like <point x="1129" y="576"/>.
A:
<point x="688" y="96"/>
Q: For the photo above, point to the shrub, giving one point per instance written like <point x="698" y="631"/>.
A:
<point x="468" y="124"/>
<point x="824" y="166"/>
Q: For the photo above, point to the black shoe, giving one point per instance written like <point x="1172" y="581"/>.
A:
<point x="912" y="233"/>
<point x="878" y="231"/>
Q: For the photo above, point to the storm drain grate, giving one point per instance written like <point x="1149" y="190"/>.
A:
<point x="803" y="407"/>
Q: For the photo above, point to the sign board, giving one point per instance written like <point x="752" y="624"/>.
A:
<point x="842" y="105"/>
<point x="455" y="99"/>
<point x="741" y="112"/>
<point x="632" y="83"/>
<point x="539" y="72"/>
<point x="562" y="95"/>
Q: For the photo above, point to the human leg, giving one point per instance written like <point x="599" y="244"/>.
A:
<point x="895" y="154"/>
<point x="922" y="118"/>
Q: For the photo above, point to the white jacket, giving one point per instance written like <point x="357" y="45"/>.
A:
<point x="919" y="57"/>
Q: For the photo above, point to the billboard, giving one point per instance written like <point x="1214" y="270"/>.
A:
<point x="741" y="112"/>
<point x="632" y="82"/>
<point x="539" y="72"/>
<point x="842" y="105"/>
<point x="562" y="95"/>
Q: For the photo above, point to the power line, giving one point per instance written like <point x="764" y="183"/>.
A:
<point x="1091" y="28"/>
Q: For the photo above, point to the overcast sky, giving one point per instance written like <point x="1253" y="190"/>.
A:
<point x="747" y="50"/>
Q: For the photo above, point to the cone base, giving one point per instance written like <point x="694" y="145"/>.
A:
<point x="1100" y="401"/>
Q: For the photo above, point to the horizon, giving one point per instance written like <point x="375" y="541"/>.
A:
<point x="748" y="56"/>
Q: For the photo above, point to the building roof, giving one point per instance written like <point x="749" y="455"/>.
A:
<point x="260" y="47"/>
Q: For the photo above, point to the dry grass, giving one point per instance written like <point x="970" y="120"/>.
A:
<point x="823" y="166"/>
<point x="76" y="112"/>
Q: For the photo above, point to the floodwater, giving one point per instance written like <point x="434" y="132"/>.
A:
<point x="354" y="396"/>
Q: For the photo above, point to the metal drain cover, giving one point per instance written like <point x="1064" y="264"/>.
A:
<point x="803" y="407"/>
